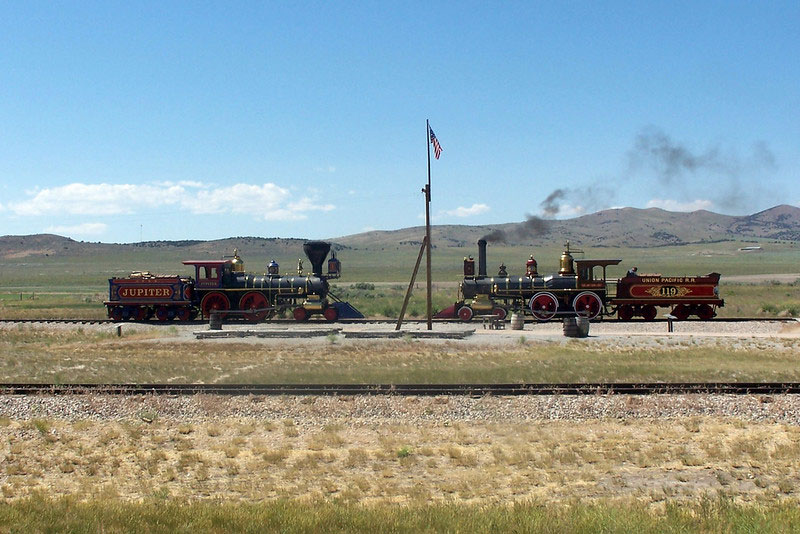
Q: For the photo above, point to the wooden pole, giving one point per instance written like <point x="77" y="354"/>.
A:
<point x="411" y="284"/>
<point x="428" y="226"/>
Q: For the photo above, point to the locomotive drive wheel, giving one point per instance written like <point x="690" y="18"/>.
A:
<point x="625" y="313"/>
<point x="215" y="301"/>
<point x="300" y="314"/>
<point x="330" y="314"/>
<point x="544" y="306"/>
<point x="465" y="313"/>
<point x="254" y="301"/>
<point x="587" y="304"/>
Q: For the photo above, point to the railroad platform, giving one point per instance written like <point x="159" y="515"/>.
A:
<point x="350" y="332"/>
<point x="281" y="333"/>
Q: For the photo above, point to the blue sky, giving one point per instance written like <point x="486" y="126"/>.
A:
<point x="201" y="120"/>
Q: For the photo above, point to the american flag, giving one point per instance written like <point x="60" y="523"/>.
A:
<point x="437" y="148"/>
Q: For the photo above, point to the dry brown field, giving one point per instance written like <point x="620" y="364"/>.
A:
<point x="392" y="450"/>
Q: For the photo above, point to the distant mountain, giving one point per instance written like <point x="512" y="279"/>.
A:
<point x="53" y="245"/>
<point x="623" y="227"/>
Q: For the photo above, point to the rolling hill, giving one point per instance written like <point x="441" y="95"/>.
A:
<point x="623" y="227"/>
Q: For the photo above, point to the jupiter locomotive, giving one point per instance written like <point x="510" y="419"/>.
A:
<point x="223" y="286"/>
<point x="581" y="288"/>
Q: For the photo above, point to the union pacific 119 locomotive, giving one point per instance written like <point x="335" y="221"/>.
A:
<point x="581" y="287"/>
<point x="223" y="285"/>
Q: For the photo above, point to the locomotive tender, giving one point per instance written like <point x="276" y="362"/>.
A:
<point x="581" y="288"/>
<point x="223" y="285"/>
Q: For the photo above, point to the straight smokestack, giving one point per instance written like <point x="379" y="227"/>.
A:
<point x="482" y="258"/>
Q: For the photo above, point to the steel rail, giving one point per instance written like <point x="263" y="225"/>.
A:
<point x="473" y="390"/>
<point x="388" y="321"/>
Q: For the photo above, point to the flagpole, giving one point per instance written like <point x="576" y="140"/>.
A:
<point x="428" y="224"/>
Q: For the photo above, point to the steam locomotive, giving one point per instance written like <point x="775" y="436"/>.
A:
<point x="224" y="286"/>
<point x="581" y="288"/>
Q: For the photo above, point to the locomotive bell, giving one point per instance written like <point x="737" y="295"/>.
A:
<point x="237" y="265"/>
<point x="567" y="264"/>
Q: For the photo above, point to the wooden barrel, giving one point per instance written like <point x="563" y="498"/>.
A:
<point x="576" y="327"/>
<point x="517" y="321"/>
<point x="215" y="321"/>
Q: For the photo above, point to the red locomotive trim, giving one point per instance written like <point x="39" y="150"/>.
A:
<point x="146" y="292"/>
<point x="671" y="291"/>
<point x="667" y="301"/>
<point x="147" y="302"/>
<point x="151" y="280"/>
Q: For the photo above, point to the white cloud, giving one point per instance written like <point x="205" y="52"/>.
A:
<point x="261" y="201"/>
<point x="78" y="229"/>
<point x="256" y="200"/>
<point x="96" y="199"/>
<point x="309" y="204"/>
<point x="475" y="209"/>
<point x="674" y="205"/>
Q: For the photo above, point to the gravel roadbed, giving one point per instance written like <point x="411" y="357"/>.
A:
<point x="321" y="411"/>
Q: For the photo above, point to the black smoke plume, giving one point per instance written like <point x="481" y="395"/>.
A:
<point x="681" y="169"/>
<point x="672" y="169"/>
<point x="550" y="205"/>
<point x="532" y="227"/>
<point x="670" y="160"/>
<point x="589" y="199"/>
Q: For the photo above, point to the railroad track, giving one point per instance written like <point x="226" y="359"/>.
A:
<point x="376" y="321"/>
<point x="473" y="390"/>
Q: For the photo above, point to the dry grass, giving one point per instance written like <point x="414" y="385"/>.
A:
<point x="650" y="461"/>
<point x="64" y="356"/>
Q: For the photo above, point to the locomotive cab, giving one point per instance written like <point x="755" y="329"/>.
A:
<point x="589" y="274"/>
<point x="210" y="273"/>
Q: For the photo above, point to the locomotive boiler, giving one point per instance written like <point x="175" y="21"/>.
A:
<point x="224" y="286"/>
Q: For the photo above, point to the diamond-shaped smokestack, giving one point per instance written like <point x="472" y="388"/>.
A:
<point x="316" y="251"/>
